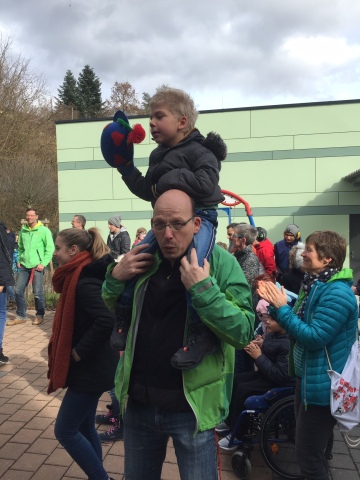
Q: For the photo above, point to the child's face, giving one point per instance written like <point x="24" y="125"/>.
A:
<point x="166" y="129"/>
<point x="272" y="326"/>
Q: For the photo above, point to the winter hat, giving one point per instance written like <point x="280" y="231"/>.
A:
<point x="261" y="234"/>
<point x="116" y="221"/>
<point x="262" y="306"/>
<point x="117" y="143"/>
<point x="292" y="229"/>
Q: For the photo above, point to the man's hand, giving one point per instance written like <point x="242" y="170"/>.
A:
<point x="191" y="273"/>
<point x="133" y="263"/>
<point x="39" y="268"/>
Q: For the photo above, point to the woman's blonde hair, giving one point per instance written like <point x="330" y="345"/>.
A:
<point x="89" y="240"/>
<point x="178" y="102"/>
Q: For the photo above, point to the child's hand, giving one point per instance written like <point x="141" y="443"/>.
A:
<point x="253" y="350"/>
<point x="258" y="340"/>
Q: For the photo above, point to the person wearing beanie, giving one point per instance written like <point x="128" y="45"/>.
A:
<point x="282" y="248"/>
<point x="292" y="280"/>
<point x="119" y="239"/>
<point x="264" y="250"/>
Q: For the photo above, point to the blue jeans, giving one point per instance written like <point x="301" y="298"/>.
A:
<point x="147" y="430"/>
<point x="37" y="285"/>
<point x="75" y="430"/>
<point x="3" y="301"/>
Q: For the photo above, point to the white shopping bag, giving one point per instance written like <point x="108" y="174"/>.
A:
<point x="344" y="395"/>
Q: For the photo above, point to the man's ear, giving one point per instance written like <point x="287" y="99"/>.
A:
<point x="197" y="224"/>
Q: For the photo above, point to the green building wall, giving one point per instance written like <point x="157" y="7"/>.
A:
<point x="287" y="162"/>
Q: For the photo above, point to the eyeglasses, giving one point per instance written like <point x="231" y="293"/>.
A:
<point x="237" y="236"/>
<point x="160" y="226"/>
<point x="261" y="315"/>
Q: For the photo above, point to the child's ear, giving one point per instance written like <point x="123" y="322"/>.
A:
<point x="183" y="121"/>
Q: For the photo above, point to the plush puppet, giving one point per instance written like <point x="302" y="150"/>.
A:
<point x="117" y="143"/>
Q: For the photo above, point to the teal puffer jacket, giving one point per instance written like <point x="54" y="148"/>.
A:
<point x="330" y="319"/>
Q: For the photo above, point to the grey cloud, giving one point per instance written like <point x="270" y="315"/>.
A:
<point x="201" y="46"/>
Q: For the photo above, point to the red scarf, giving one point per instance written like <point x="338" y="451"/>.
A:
<point x="59" y="351"/>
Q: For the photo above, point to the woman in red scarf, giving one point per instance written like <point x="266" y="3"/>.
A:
<point x="80" y="356"/>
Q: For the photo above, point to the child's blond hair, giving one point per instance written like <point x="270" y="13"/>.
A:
<point x="178" y="102"/>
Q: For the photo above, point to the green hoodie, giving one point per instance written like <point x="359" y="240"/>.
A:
<point x="36" y="246"/>
<point x="223" y="302"/>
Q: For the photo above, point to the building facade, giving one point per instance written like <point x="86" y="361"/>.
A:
<point x="292" y="163"/>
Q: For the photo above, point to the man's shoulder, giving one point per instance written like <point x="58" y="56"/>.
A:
<point x="219" y="254"/>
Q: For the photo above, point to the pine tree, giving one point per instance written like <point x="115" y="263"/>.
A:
<point x="145" y="104"/>
<point x="88" y="101"/>
<point x="67" y="91"/>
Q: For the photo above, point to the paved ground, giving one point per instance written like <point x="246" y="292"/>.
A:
<point x="28" y="449"/>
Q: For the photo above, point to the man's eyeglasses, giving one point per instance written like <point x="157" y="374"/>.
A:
<point x="160" y="226"/>
<point x="234" y="235"/>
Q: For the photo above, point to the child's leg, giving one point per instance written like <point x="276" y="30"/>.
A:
<point x="202" y="341"/>
<point x="123" y="308"/>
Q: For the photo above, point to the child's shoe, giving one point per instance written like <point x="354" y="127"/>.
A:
<point x="121" y="327"/>
<point x="106" y="418"/>
<point x="202" y="341"/>
<point x="115" y="433"/>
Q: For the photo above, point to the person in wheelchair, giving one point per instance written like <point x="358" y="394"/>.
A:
<point x="270" y="354"/>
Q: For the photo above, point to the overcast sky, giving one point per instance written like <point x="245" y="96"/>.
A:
<point x="226" y="54"/>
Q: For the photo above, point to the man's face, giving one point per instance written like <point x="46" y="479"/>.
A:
<point x="174" y="210"/>
<point x="230" y="232"/>
<point x="112" y="228"/>
<point x="31" y="218"/>
<point x="75" y="223"/>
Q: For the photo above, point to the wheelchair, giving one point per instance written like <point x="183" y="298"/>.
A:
<point x="270" y="422"/>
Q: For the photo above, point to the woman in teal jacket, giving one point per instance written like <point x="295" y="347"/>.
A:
<point x="325" y="315"/>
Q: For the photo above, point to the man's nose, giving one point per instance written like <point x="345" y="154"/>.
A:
<point x="168" y="233"/>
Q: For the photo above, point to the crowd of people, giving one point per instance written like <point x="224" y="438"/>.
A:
<point x="164" y="323"/>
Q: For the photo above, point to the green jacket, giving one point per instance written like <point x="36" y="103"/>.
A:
<point x="35" y="246"/>
<point x="223" y="302"/>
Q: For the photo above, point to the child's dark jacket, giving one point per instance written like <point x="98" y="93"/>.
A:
<point x="274" y="361"/>
<point x="188" y="166"/>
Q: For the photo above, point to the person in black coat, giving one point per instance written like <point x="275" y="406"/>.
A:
<point x="80" y="355"/>
<point x="6" y="281"/>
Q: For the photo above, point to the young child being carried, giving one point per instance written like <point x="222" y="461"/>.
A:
<point x="186" y="161"/>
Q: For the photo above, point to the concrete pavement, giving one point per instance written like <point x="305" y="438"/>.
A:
<point x="28" y="448"/>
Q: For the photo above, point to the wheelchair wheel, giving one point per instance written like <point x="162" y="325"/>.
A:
<point x="277" y="439"/>
<point x="241" y="465"/>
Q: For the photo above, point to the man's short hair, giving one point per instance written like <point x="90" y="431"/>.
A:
<point x="178" y="102"/>
<point x="232" y="225"/>
<point x="30" y="209"/>
<point x="246" y="231"/>
<point x="81" y="219"/>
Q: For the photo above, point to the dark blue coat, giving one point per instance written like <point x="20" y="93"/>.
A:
<point x="6" y="273"/>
